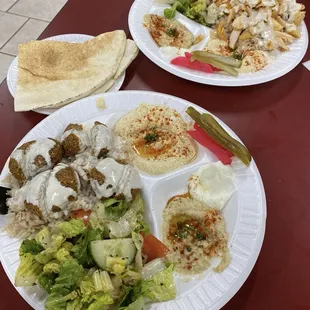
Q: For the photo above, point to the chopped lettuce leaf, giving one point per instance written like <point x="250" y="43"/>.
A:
<point x="62" y="255"/>
<point x="46" y="281"/>
<point x="44" y="237"/>
<point x="81" y="250"/>
<point x="30" y="246"/>
<point x="100" y="301"/>
<point x="72" y="228"/>
<point x="126" y="224"/>
<point x="137" y="239"/>
<point x="87" y="288"/>
<point x="70" y="277"/>
<point x="114" y="209"/>
<point x="102" y="281"/>
<point x="45" y="256"/>
<point x="161" y="286"/>
<point x="131" y="294"/>
<point x="136" y="305"/>
<point x="57" y="241"/>
<point x="52" y="267"/>
<point x="67" y="245"/>
<point x="58" y="301"/>
<point x="106" y="281"/>
<point x="48" y="254"/>
<point x="76" y="304"/>
<point x="153" y="267"/>
<point x="27" y="271"/>
<point x="137" y="204"/>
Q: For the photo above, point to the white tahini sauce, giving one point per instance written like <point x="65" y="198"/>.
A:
<point x="119" y="179"/>
<point x="26" y="159"/>
<point x="101" y="137"/>
<point x="57" y="194"/>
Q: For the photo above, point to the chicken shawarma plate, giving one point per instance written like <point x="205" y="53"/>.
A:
<point x="245" y="35"/>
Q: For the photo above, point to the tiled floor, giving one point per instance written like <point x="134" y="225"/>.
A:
<point x="22" y="21"/>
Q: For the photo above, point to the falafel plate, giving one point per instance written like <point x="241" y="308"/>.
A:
<point x="119" y="205"/>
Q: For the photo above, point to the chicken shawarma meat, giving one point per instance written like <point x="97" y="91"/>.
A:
<point x="34" y="157"/>
<point x="110" y="178"/>
<point x="74" y="140"/>
<point x="49" y="193"/>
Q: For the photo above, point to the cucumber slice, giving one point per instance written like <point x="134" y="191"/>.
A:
<point x="120" y="248"/>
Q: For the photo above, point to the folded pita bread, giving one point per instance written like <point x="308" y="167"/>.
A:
<point x="52" y="74"/>
<point x="131" y="52"/>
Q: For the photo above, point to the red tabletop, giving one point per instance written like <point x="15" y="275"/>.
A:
<point x="272" y="119"/>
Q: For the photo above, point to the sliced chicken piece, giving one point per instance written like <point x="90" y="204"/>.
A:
<point x="234" y="38"/>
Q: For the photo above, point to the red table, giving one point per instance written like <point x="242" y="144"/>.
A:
<point x="272" y="119"/>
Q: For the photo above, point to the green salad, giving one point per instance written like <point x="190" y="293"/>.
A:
<point x="96" y="263"/>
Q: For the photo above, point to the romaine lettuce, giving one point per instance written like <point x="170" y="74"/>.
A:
<point x="58" y="301"/>
<point x="76" y="304"/>
<point x="51" y="267"/>
<point x="136" y="305"/>
<point x="81" y="250"/>
<point x="30" y="246"/>
<point x="70" y="277"/>
<point x="46" y="281"/>
<point x="161" y="286"/>
<point x="43" y="237"/>
<point x="27" y="271"/>
<point x="100" y="300"/>
<point x="71" y="228"/>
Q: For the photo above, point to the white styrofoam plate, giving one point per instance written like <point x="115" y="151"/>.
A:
<point x="72" y="38"/>
<point x="244" y="215"/>
<point x="283" y="63"/>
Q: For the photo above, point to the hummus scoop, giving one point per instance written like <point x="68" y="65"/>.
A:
<point x="34" y="157"/>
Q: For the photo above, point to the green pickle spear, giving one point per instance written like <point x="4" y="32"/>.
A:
<point x="208" y="123"/>
<point x="224" y="59"/>
<point x="217" y="64"/>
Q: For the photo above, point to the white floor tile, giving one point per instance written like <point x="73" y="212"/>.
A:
<point x="30" y="31"/>
<point x="40" y="9"/>
<point x="5" y="61"/>
<point x="9" y="24"/>
<point x="6" y="4"/>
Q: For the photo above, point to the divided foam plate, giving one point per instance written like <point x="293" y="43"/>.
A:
<point x="244" y="215"/>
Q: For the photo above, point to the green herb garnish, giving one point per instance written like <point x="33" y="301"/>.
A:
<point x="200" y="236"/>
<point x="172" y="32"/>
<point x="151" y="137"/>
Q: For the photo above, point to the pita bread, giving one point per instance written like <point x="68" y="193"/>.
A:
<point x="52" y="74"/>
<point x="131" y="52"/>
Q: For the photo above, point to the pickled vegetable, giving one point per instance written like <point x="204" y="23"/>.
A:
<point x="216" y="63"/>
<point x="224" y="59"/>
<point x="214" y="130"/>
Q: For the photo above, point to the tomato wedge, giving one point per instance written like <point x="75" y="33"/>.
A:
<point x="201" y="137"/>
<point x="194" y="65"/>
<point x="153" y="248"/>
<point x="81" y="214"/>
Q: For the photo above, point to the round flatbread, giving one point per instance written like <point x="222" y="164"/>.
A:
<point x="52" y="74"/>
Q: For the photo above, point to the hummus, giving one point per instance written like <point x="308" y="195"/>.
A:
<point x="195" y="235"/>
<point x="166" y="32"/>
<point x="158" y="138"/>
<point x="253" y="61"/>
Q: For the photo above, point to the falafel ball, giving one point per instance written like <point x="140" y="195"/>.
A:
<point x="34" y="157"/>
<point x="74" y="140"/>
